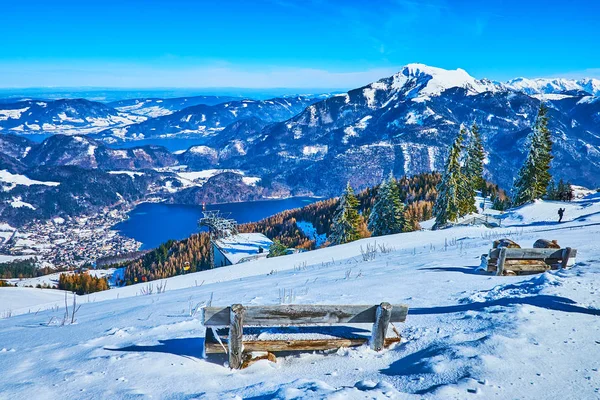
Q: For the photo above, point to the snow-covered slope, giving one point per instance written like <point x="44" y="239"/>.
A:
<point x="468" y="334"/>
<point x="66" y="116"/>
<point x="555" y="85"/>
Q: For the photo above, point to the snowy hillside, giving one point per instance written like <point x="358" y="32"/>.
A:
<point x="468" y="334"/>
<point x="555" y="86"/>
<point x="66" y="116"/>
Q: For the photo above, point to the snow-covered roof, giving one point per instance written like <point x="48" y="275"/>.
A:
<point x="244" y="246"/>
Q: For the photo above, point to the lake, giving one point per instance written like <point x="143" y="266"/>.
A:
<point x="155" y="223"/>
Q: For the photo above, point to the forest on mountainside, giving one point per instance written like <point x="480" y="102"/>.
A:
<point x="192" y="254"/>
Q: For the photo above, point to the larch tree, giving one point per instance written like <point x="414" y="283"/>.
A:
<point x="386" y="217"/>
<point x="346" y="220"/>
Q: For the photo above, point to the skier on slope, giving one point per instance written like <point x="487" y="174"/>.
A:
<point x="561" y="212"/>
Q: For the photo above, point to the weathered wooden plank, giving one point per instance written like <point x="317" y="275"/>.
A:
<point x="537" y="266"/>
<point x="236" y="333"/>
<point x="567" y="253"/>
<point x="297" y="345"/>
<point x="380" y="327"/>
<point x="501" y="260"/>
<point x="532" y="253"/>
<point x="302" y="314"/>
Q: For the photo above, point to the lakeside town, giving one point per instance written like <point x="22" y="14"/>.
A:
<point x="67" y="242"/>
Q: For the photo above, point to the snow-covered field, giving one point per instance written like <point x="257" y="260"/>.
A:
<point x="467" y="335"/>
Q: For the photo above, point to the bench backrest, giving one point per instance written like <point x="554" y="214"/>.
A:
<point x="297" y="314"/>
<point x="532" y="254"/>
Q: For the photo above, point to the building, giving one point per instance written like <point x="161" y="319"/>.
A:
<point x="239" y="248"/>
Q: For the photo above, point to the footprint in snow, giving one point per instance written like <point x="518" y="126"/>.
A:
<point x="5" y="350"/>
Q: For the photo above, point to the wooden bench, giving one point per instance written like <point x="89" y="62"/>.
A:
<point x="237" y="341"/>
<point x="509" y="261"/>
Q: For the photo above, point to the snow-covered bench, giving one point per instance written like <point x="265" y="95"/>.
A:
<point x="296" y="328"/>
<point x="509" y="261"/>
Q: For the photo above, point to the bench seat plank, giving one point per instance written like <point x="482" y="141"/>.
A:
<point x="302" y="314"/>
<point x="532" y="254"/>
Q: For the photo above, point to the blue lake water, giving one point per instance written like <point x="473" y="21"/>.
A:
<point x="155" y="223"/>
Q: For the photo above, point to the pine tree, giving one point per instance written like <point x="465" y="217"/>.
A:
<point x="475" y="159"/>
<point x="386" y="216"/>
<point x="545" y="155"/>
<point x="277" y="249"/>
<point x="448" y="203"/>
<point x="534" y="177"/>
<point x="346" y="221"/>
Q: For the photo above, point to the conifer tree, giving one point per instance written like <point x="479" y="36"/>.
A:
<point x="534" y="176"/>
<point x="475" y="158"/>
<point x="545" y="155"/>
<point x="386" y="217"/>
<point x="448" y="203"/>
<point x="346" y="221"/>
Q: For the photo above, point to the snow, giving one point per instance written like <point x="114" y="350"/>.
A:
<point x="132" y="174"/>
<point x="251" y="180"/>
<point x="433" y="81"/>
<point x="554" y="85"/>
<point x="204" y="150"/>
<point x="205" y="174"/>
<point x="12" y="114"/>
<point x="315" y="150"/>
<point x="243" y="247"/>
<point x="119" y="153"/>
<point x="352" y="131"/>
<point x="468" y="334"/>
<point x="17" y="203"/>
<point x="17" y="179"/>
<point x="369" y="94"/>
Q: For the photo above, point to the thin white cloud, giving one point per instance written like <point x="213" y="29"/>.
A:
<point x="139" y="76"/>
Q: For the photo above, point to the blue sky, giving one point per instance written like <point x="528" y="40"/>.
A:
<point x="287" y="43"/>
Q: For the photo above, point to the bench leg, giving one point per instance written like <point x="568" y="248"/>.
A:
<point x="501" y="260"/>
<point x="236" y="332"/>
<point x="382" y="320"/>
<point x="566" y="255"/>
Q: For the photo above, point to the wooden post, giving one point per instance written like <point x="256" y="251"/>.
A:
<point x="566" y="255"/>
<point x="501" y="260"/>
<point x="382" y="320"/>
<point x="236" y="332"/>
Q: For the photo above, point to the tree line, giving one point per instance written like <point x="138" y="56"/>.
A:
<point x="418" y="193"/>
<point x="82" y="283"/>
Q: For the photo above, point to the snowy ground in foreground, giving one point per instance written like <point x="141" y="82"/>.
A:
<point x="467" y="335"/>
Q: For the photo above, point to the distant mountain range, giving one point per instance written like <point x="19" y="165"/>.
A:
<point x="315" y="144"/>
<point x="208" y="120"/>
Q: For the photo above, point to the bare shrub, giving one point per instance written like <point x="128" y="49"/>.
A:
<point x="370" y="253"/>
<point x="385" y="248"/>
<point x="286" y="296"/>
<point x="147" y="290"/>
<point x="161" y="287"/>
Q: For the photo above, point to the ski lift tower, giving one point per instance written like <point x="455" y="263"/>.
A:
<point x="219" y="227"/>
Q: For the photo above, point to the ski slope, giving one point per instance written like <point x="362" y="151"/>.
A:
<point x="468" y="334"/>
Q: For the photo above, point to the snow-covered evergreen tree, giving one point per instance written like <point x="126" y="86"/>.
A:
<point x="545" y="155"/>
<point x="346" y="221"/>
<point x="472" y="171"/>
<point x="447" y="205"/>
<point x="475" y="159"/>
<point x="387" y="214"/>
<point x="534" y="176"/>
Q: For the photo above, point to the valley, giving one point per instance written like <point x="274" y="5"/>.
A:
<point x="98" y="160"/>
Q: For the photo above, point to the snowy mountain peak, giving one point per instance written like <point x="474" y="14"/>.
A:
<point x="421" y="81"/>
